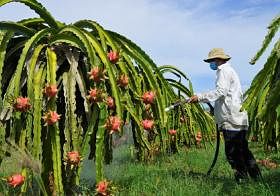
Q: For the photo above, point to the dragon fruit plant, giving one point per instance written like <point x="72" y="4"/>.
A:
<point x="262" y="98"/>
<point x="64" y="87"/>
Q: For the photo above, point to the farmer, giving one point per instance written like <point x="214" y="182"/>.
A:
<point x="231" y="121"/>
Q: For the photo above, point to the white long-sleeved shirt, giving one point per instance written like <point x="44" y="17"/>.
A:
<point x="228" y="99"/>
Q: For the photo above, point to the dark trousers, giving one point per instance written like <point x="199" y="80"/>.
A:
<point x="238" y="154"/>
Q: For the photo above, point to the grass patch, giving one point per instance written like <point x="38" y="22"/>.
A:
<point x="183" y="174"/>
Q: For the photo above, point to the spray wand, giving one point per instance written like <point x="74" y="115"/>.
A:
<point x="178" y="103"/>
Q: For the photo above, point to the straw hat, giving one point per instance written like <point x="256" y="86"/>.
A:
<point x="217" y="53"/>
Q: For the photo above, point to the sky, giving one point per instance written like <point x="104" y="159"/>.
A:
<point x="176" y="32"/>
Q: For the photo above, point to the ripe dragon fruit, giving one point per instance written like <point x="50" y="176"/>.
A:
<point x="110" y="103"/>
<point x="50" y="90"/>
<point x="148" y="97"/>
<point x="101" y="187"/>
<point x="172" y="132"/>
<point x="113" y="124"/>
<point x="73" y="158"/>
<point x="16" y="180"/>
<point x="97" y="74"/>
<point x="123" y="81"/>
<point x="22" y="104"/>
<point x="113" y="56"/>
<point x="148" y="124"/>
<point x="95" y="95"/>
<point x="51" y="118"/>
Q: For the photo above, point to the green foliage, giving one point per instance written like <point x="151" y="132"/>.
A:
<point x="262" y="98"/>
<point x="39" y="54"/>
<point x="272" y="30"/>
<point x="17" y="28"/>
<point x="100" y="143"/>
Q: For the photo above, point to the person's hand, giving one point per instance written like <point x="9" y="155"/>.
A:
<point x="193" y="99"/>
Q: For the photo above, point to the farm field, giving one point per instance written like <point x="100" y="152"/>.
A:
<point x="184" y="174"/>
<point x="85" y="110"/>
